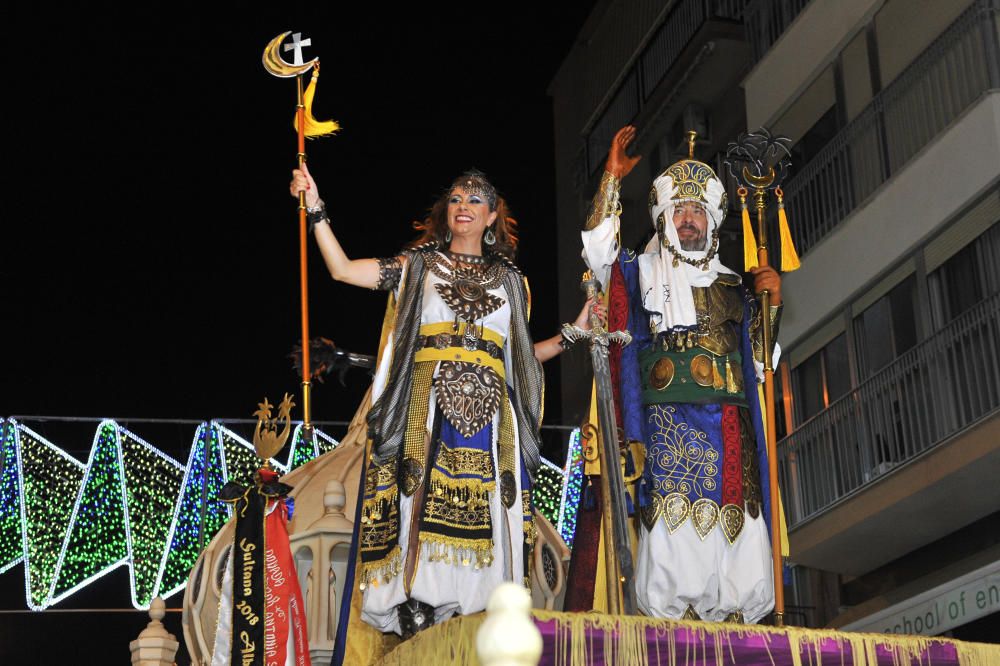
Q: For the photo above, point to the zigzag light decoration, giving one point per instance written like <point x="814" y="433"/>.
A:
<point x="198" y="515"/>
<point x="302" y="451"/>
<point x="11" y="545"/>
<point x="239" y="458"/>
<point x="119" y="516"/>
<point x="153" y="482"/>
<point x="572" y="484"/>
<point x="97" y="536"/>
<point x="49" y="480"/>
<point x="70" y="523"/>
<point x="547" y="489"/>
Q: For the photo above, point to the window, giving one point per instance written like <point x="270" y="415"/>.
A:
<point x="969" y="276"/>
<point x="821" y="379"/>
<point x="887" y="328"/>
<point x="813" y="141"/>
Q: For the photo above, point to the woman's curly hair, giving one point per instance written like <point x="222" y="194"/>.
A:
<point x="434" y="227"/>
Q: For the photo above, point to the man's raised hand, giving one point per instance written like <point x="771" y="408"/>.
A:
<point x="619" y="164"/>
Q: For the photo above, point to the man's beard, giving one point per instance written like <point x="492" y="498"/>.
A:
<point x="694" y="243"/>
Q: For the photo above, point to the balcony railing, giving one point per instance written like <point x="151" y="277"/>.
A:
<point x="766" y="20"/>
<point x="934" y="90"/>
<point x="657" y="58"/>
<point x="946" y="383"/>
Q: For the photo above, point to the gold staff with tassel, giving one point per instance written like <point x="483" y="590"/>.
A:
<point x="759" y="162"/>
<point x="306" y="126"/>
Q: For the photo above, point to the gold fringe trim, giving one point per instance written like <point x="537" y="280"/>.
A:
<point x="573" y="648"/>
<point x="464" y="493"/>
<point x="454" y="642"/>
<point x="382" y="571"/>
<point x="376" y="505"/>
<point x="477" y="553"/>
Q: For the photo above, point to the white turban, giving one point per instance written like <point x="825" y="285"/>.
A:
<point x="666" y="288"/>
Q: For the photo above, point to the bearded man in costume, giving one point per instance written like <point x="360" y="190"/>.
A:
<point x="687" y="390"/>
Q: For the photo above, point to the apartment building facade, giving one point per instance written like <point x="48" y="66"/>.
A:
<point x="889" y="385"/>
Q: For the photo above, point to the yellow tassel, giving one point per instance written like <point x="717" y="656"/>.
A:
<point x="314" y="128"/>
<point x="789" y="257"/>
<point x="749" y="242"/>
<point x="730" y="379"/>
<point x="717" y="382"/>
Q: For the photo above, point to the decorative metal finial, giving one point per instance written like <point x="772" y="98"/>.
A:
<point x="267" y="441"/>
<point x="759" y="160"/>
<point x="296" y="48"/>
<point x="691" y="137"/>
<point x="278" y="66"/>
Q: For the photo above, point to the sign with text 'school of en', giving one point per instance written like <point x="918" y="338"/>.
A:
<point x="953" y="604"/>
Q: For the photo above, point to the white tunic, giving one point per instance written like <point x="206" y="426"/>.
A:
<point x="451" y="588"/>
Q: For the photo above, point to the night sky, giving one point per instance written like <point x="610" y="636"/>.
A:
<point x="150" y="247"/>
<point x="150" y="243"/>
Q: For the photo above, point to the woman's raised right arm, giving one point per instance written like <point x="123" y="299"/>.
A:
<point x="359" y="272"/>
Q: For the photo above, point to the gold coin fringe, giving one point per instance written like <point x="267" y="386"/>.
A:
<point x="383" y="571"/>
<point x="477" y="553"/>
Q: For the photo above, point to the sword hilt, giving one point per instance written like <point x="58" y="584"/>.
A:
<point x="592" y="287"/>
<point x="598" y="334"/>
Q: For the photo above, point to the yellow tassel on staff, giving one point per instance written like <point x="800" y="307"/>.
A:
<point x="749" y="242"/>
<point x="314" y="128"/>
<point x="789" y="257"/>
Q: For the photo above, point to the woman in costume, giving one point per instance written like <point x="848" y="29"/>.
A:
<point x="456" y="409"/>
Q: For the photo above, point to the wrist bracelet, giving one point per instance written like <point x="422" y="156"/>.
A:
<point x="322" y="220"/>
<point x="565" y="342"/>
<point x="317" y="215"/>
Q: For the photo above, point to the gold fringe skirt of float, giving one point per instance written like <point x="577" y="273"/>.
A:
<point x="570" y="641"/>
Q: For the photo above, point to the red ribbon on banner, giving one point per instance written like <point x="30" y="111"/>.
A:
<point x="283" y="607"/>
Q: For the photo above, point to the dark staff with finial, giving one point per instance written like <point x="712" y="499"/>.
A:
<point x="759" y="162"/>
<point x="305" y="126"/>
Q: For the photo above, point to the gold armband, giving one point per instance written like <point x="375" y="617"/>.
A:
<point x="605" y="200"/>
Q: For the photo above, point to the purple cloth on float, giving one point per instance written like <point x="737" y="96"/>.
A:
<point x="693" y="647"/>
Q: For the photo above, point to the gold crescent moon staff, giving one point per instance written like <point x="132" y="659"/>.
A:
<point x="759" y="161"/>
<point x="305" y="126"/>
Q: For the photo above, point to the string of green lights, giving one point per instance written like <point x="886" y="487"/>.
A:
<point x="70" y="523"/>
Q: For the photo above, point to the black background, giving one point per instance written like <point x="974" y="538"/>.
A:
<point x="149" y="252"/>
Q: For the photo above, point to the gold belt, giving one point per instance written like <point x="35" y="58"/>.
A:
<point x="477" y="356"/>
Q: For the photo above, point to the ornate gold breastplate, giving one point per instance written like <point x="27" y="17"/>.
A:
<point x="720" y="312"/>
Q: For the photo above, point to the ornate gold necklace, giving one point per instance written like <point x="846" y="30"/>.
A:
<point x="466" y="284"/>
